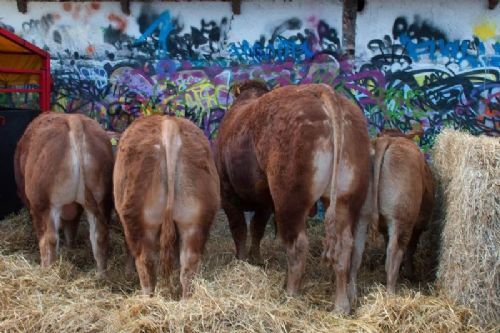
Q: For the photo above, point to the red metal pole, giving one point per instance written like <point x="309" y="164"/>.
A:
<point x="44" y="85"/>
<point x="48" y="81"/>
<point x="41" y="95"/>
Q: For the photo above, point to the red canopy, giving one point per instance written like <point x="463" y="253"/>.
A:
<point x="23" y="63"/>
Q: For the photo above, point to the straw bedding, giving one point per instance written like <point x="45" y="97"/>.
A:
<point x="469" y="269"/>
<point x="229" y="295"/>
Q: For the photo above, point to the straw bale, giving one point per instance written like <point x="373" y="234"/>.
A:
<point x="447" y="154"/>
<point x="469" y="268"/>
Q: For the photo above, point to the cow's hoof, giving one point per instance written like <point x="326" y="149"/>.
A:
<point x="391" y="290"/>
<point x="186" y="294"/>
<point x="343" y="308"/>
<point x="241" y="256"/>
<point x="102" y="275"/>
<point x="291" y="291"/>
<point x="47" y="263"/>
<point x="255" y="259"/>
<point x="147" y="292"/>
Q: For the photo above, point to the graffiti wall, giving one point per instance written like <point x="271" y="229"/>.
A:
<point x="431" y="64"/>
<point x="418" y="64"/>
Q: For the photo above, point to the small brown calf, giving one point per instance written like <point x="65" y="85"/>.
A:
<point x="399" y="203"/>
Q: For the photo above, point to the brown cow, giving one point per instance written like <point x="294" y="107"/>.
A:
<point x="62" y="163"/>
<point x="165" y="183"/>
<point x="399" y="203"/>
<point x="283" y="150"/>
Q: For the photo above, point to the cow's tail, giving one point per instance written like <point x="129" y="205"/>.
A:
<point x="381" y="146"/>
<point x="78" y="146"/>
<point x="171" y="143"/>
<point x="337" y="118"/>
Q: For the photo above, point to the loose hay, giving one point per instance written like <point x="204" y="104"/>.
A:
<point x="229" y="295"/>
<point x="470" y="251"/>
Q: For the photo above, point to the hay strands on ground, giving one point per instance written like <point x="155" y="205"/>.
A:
<point x="229" y="295"/>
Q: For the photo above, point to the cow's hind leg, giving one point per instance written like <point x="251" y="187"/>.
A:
<point x="98" y="232"/>
<point x="258" y="227"/>
<point x="238" y="227"/>
<point x="193" y="239"/>
<point x="357" y="253"/>
<point x="343" y="224"/>
<point x="46" y="222"/>
<point x="129" y="263"/>
<point x="291" y="228"/>
<point x="408" y="267"/>
<point x="395" y="251"/>
<point x="145" y="263"/>
<point x="143" y="251"/>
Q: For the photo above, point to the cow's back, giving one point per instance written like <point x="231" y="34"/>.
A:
<point x="285" y="126"/>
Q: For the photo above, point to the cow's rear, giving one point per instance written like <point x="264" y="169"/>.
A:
<point x="400" y="202"/>
<point x="283" y="150"/>
<point x="167" y="194"/>
<point x="63" y="164"/>
<point x="405" y="201"/>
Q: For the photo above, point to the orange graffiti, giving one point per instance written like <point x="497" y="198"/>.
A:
<point x="90" y="49"/>
<point x="121" y="23"/>
<point x="81" y="11"/>
<point x="95" y="5"/>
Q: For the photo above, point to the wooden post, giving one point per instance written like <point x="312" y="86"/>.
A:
<point x="349" y="27"/>
<point x="125" y="5"/>
<point x="236" y="6"/>
<point x="22" y="6"/>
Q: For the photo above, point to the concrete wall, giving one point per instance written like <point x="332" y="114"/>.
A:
<point x="428" y="63"/>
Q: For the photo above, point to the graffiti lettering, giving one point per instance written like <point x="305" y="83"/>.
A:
<point x="414" y="75"/>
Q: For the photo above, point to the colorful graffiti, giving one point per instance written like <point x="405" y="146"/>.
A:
<point x="432" y="82"/>
<point x="391" y="89"/>
<point x="415" y="76"/>
<point x="421" y="40"/>
<point x="163" y="38"/>
<point x="299" y="47"/>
